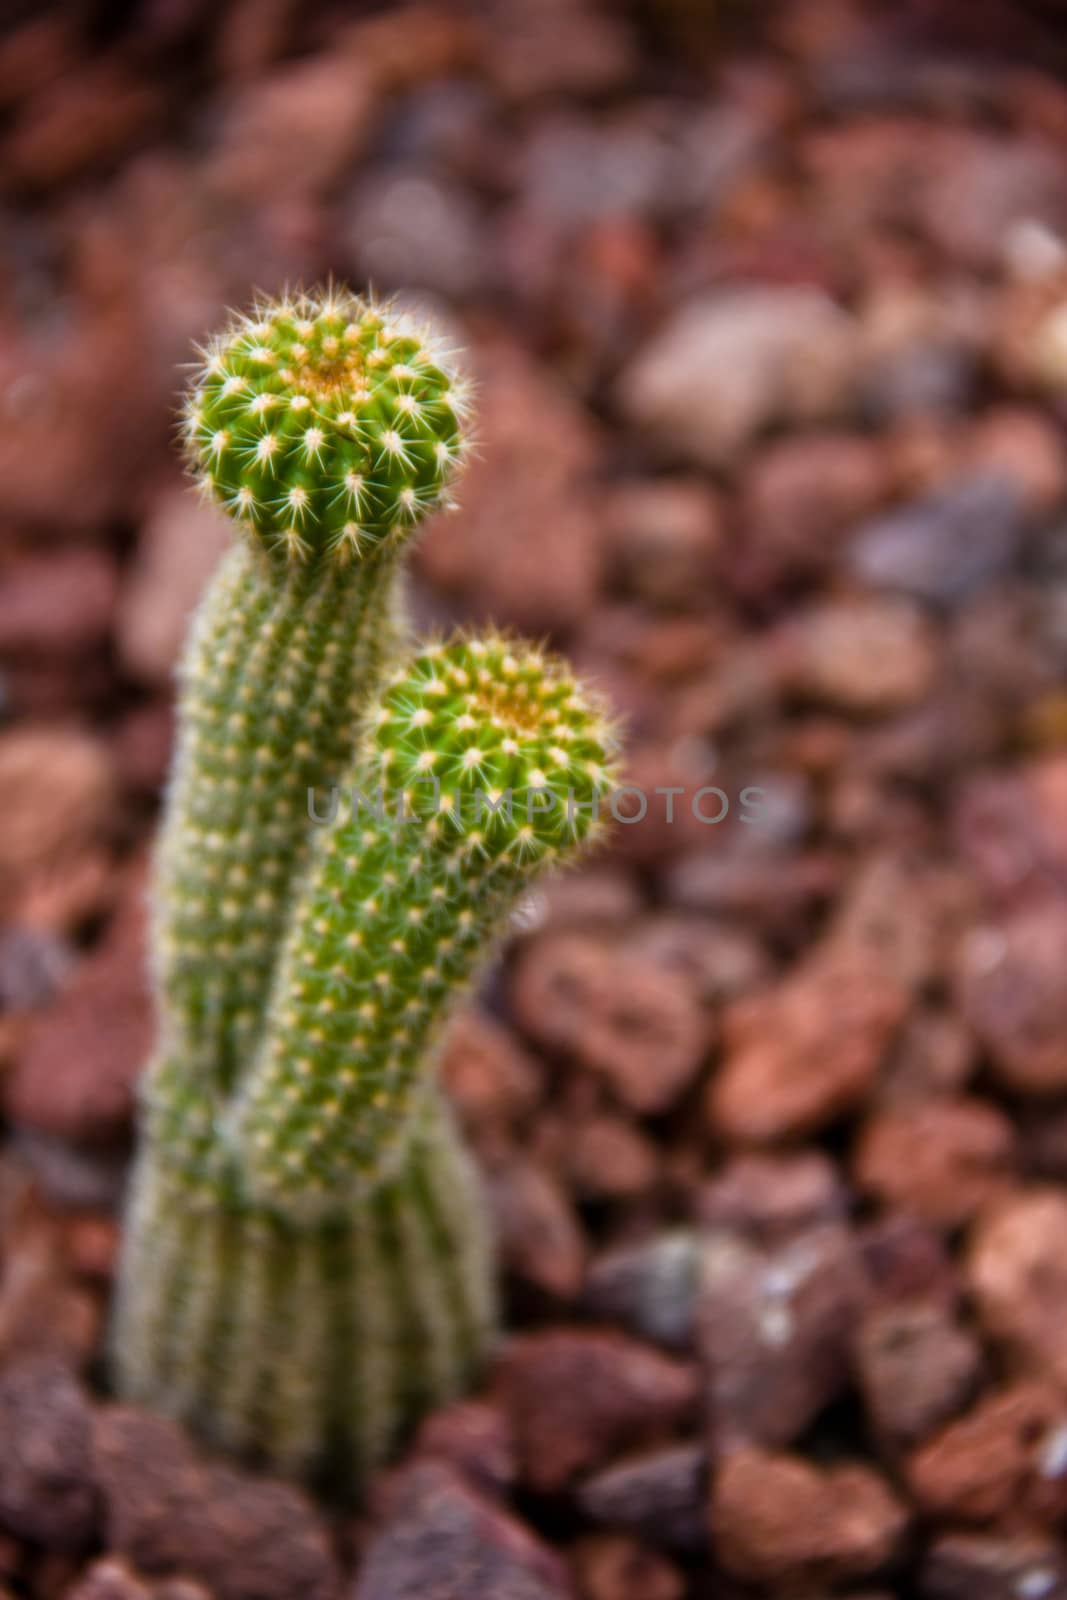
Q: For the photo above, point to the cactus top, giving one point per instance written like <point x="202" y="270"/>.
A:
<point x="326" y="424"/>
<point x="498" y="743"/>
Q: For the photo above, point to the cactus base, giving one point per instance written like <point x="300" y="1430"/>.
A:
<point x="308" y="1350"/>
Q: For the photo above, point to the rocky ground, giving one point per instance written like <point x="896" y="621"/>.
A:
<point x="773" y="1116"/>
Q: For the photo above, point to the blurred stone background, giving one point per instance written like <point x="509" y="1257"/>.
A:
<point x="767" y="305"/>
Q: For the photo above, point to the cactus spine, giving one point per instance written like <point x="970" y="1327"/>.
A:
<point x="307" y="1265"/>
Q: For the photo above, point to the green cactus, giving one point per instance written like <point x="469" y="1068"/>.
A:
<point x="306" y="1263"/>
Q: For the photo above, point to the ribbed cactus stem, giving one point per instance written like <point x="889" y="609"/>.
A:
<point x="308" y="1350"/>
<point x="484" y="766"/>
<point x="360" y="414"/>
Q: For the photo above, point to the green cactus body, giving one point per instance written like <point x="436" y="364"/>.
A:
<point x="285" y="651"/>
<point x="306" y="1263"/>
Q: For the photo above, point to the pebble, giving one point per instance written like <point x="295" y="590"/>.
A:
<point x="525" y="545"/>
<point x="946" y="546"/>
<point x="942" y="1159"/>
<point x="728" y="364"/>
<point x="58" y="801"/>
<point x="1012" y="993"/>
<point x="865" y="656"/>
<point x="804" y="1053"/>
<point x="1006" y="1458"/>
<point x="47" y="1493"/>
<point x="993" y="1566"/>
<point x="577" y="1397"/>
<point x="775" y="1330"/>
<point x="781" y="1522"/>
<point x="637" y="1026"/>
<point x="916" y="1366"/>
<point x="440" y="1540"/>
<point x="1017" y="1274"/>
<point x="658" y="1496"/>
<point x="539" y="1236"/>
<point x="650" y="1288"/>
<point x="178" y="548"/>
<point x="75" y="1076"/>
<point x="770" y="1198"/>
<point x="613" y="1567"/>
<point x="170" y="1511"/>
<point x="60" y="604"/>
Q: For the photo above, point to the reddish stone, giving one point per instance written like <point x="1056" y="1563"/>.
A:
<point x="804" y="1053"/>
<point x="1006" y="1458"/>
<point x="612" y="1567"/>
<point x="577" y="1397"/>
<point x="1013" y="994"/>
<point x="943" y="1159"/>
<point x="637" y="1026"/>
<point x="539" y="1236"/>
<point x="1017" y="1274"/>
<point x="778" y="1521"/>
<point x="775" y="1332"/>
<point x="916" y="1367"/>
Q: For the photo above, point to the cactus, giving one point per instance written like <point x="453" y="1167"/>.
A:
<point x="306" y="1263"/>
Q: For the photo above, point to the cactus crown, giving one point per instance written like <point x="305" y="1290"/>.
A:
<point x="502" y="723"/>
<point x="326" y="424"/>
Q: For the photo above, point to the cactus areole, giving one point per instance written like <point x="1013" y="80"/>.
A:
<point x="307" y="1265"/>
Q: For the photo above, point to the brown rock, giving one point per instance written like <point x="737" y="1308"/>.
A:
<point x="804" y="1053"/>
<point x="608" y="1158"/>
<point x="167" y="1511"/>
<point x="799" y="497"/>
<point x="863" y="656"/>
<point x="108" y="1579"/>
<point x="769" y="1198"/>
<point x="57" y="797"/>
<point x="659" y="1496"/>
<point x="729" y="363"/>
<point x="79" y="123"/>
<point x="577" y="1397"/>
<point x="180" y="545"/>
<point x="775" y="1332"/>
<point x="47" y="1493"/>
<point x="441" y="1540"/>
<point x="639" y="1027"/>
<point x="488" y="1076"/>
<point x="934" y="1056"/>
<point x="963" y="1566"/>
<point x="59" y="604"/>
<point x="916" y="1367"/>
<point x="612" y="1567"/>
<point x="76" y="1074"/>
<point x="1017" y="1274"/>
<point x="473" y="1437"/>
<point x="525" y="547"/>
<point x="1023" y="445"/>
<point x="1012" y="993"/>
<point x="942" y="1160"/>
<point x="44" y="1313"/>
<point x="650" y="1288"/>
<point x="1007" y="1457"/>
<point x="908" y="1259"/>
<point x="721" y="963"/>
<point x="664" y="539"/>
<point x="901" y="913"/>
<point x="538" y="1233"/>
<point x="777" y="1520"/>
